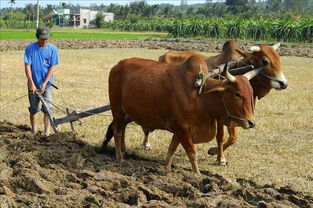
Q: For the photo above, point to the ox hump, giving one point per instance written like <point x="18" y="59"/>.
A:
<point x="195" y="63"/>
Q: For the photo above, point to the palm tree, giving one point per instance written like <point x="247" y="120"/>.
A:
<point x="150" y="11"/>
<point x="30" y="11"/>
<point x="12" y="2"/>
<point x="49" y="9"/>
<point x="167" y="10"/>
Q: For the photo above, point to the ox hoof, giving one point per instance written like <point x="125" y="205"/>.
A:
<point x="222" y="163"/>
<point x="168" y="169"/>
<point x="212" y="151"/>
<point x="196" y="171"/>
<point x="146" y="146"/>
<point x="121" y="160"/>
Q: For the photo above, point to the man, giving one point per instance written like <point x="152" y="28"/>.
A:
<point x="40" y="60"/>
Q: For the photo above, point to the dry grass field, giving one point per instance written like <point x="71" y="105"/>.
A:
<point x="279" y="150"/>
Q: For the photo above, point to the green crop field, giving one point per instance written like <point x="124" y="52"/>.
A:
<point x="250" y="29"/>
<point x="62" y="34"/>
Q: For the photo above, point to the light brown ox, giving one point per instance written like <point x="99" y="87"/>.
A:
<point x="271" y="77"/>
<point x="229" y="52"/>
<point x="158" y="95"/>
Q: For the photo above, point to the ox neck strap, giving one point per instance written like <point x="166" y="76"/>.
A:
<point x="232" y="116"/>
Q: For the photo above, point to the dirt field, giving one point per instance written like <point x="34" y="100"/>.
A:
<point x="63" y="171"/>
<point x="212" y="46"/>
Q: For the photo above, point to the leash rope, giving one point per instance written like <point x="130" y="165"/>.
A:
<point x="54" y="105"/>
<point x="269" y="77"/>
<point x="14" y="100"/>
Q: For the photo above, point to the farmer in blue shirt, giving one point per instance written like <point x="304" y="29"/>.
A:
<point x="40" y="59"/>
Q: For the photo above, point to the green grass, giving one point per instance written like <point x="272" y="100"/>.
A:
<point x="62" y="34"/>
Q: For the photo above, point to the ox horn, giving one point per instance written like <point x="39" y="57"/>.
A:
<point x="249" y="75"/>
<point x="255" y="48"/>
<point x="228" y="76"/>
<point x="276" y="46"/>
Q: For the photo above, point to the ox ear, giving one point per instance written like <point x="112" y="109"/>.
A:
<point x="215" y="89"/>
<point x="243" y="53"/>
<point x="276" y="46"/>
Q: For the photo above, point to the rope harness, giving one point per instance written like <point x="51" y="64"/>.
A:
<point x="200" y="80"/>
<point x="269" y="77"/>
<point x="236" y="118"/>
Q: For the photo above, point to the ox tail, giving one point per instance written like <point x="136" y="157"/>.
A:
<point x="107" y="138"/>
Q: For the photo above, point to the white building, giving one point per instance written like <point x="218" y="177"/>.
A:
<point x="78" y="17"/>
<point x="82" y="17"/>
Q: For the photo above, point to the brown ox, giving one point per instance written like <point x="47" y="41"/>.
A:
<point x="158" y="95"/>
<point x="229" y="52"/>
<point x="271" y="77"/>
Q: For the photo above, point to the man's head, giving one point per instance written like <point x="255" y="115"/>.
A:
<point x="42" y="34"/>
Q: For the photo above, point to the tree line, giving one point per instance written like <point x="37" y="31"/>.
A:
<point x="141" y="9"/>
<point x="248" y="8"/>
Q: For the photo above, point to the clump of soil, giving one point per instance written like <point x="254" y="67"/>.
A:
<point x="181" y="45"/>
<point x="63" y="171"/>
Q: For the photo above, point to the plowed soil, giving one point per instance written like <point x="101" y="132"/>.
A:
<point x="62" y="171"/>
<point x="212" y="46"/>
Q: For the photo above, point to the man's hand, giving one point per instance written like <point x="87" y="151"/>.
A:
<point x="42" y="89"/>
<point x="32" y="88"/>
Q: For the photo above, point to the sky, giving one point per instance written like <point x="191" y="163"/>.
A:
<point x="43" y="3"/>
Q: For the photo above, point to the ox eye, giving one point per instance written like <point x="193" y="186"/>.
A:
<point x="265" y="62"/>
<point x="238" y="95"/>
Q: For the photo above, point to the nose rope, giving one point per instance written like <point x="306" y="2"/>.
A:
<point x="232" y="116"/>
<point x="271" y="78"/>
<point x="261" y="72"/>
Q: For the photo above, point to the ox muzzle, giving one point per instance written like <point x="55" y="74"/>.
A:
<point x="283" y="84"/>
<point x="247" y="123"/>
<point x="277" y="83"/>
